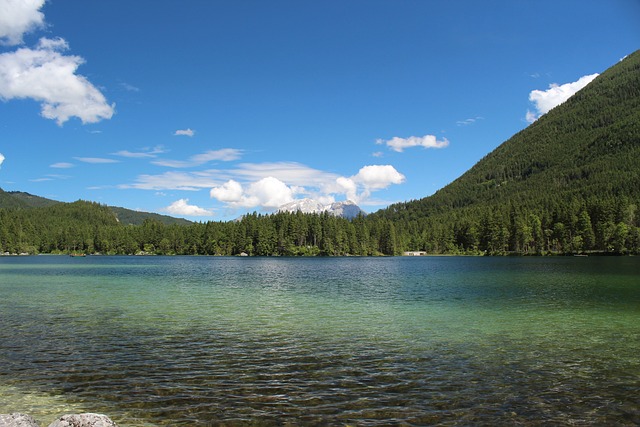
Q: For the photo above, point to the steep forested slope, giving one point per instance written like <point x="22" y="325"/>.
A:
<point x="587" y="147"/>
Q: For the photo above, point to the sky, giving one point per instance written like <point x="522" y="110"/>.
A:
<point x="208" y="109"/>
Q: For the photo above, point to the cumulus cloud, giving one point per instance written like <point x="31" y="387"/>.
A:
<point x="18" y="17"/>
<point x="545" y="100"/>
<point x="1" y="159"/>
<point x="270" y="185"/>
<point x="45" y="75"/>
<point x="184" y="132"/>
<point x="348" y="187"/>
<point x="399" y="144"/>
<point x="182" y="207"/>
<point x="379" y="176"/>
<point x="268" y="192"/>
<point x="271" y="192"/>
<point x="229" y="192"/>
<point x="369" y="178"/>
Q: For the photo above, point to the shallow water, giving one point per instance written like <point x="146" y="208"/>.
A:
<point x="326" y="341"/>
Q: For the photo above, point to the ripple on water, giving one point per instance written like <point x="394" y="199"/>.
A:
<point x="201" y="341"/>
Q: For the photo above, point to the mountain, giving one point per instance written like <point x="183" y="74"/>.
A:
<point x="18" y="199"/>
<point x="22" y="200"/>
<point x="346" y="209"/>
<point x="586" y="150"/>
<point x="130" y="217"/>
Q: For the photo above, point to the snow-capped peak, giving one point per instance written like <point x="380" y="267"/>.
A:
<point x="346" y="209"/>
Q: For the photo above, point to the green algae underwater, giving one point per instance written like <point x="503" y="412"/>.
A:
<point x="207" y="341"/>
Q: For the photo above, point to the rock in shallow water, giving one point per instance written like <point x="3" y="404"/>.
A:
<point x="83" y="420"/>
<point x="17" y="420"/>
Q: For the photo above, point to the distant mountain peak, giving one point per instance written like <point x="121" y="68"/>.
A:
<point x="345" y="209"/>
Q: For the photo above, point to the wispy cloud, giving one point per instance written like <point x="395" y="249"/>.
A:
<point x="184" y="132"/>
<point x="269" y="185"/>
<point x="129" y="87"/>
<point x="470" y="121"/>
<point x="174" y="181"/>
<point x="146" y="153"/>
<point x="400" y="144"/>
<point x="96" y="160"/>
<point x="1" y="159"/>
<point x="545" y="100"/>
<point x="223" y="155"/>
<point x="62" y="165"/>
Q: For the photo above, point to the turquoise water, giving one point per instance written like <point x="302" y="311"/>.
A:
<point x="209" y="341"/>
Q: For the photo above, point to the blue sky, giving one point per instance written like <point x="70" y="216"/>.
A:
<point x="209" y="109"/>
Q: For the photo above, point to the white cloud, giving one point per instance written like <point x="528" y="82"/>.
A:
<point x="268" y="192"/>
<point x="270" y="185"/>
<point x="146" y="153"/>
<point x="126" y="153"/>
<point x="130" y="88"/>
<point x="349" y="187"/>
<point x="271" y="192"/>
<point x="62" y="165"/>
<point x="224" y="155"/>
<point x="173" y="181"/>
<point x="545" y="100"/>
<point x="184" y="132"/>
<point x="427" y="141"/>
<point x="1" y="159"/>
<point x="18" y="17"/>
<point x="230" y="192"/>
<point x="49" y="77"/>
<point x="95" y="160"/>
<point x="467" y="122"/>
<point x="182" y="207"/>
<point x="359" y="187"/>
<point x="378" y="176"/>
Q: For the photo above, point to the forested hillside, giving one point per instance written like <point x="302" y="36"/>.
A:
<point x="569" y="183"/>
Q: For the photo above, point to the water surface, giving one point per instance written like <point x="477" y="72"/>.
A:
<point x="209" y="341"/>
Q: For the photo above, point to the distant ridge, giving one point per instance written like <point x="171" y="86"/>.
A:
<point x="23" y="200"/>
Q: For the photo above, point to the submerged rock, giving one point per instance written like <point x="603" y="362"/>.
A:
<point x="17" y="420"/>
<point x="83" y="420"/>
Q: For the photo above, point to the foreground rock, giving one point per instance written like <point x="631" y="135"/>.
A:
<point x="17" y="420"/>
<point x="75" y="420"/>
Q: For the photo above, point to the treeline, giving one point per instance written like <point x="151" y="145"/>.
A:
<point x="608" y="226"/>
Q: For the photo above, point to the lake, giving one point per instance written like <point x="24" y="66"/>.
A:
<point x="212" y="341"/>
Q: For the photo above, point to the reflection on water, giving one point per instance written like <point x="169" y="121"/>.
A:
<point x="250" y="341"/>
